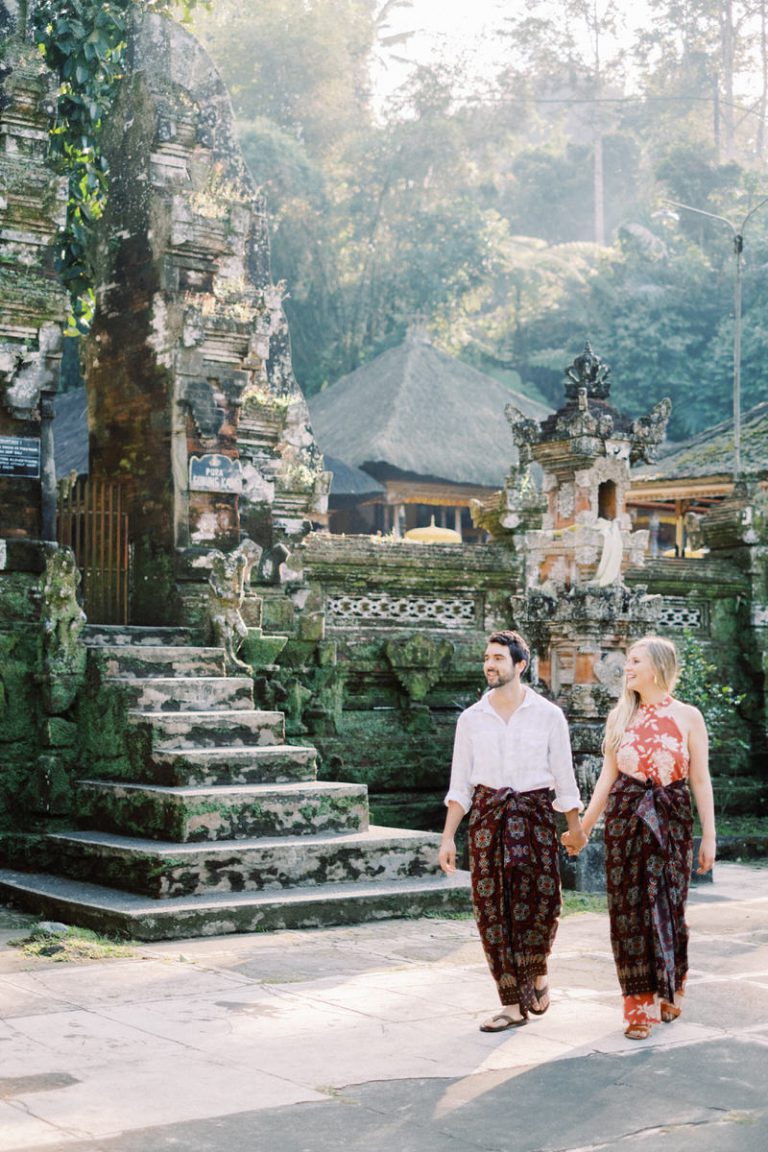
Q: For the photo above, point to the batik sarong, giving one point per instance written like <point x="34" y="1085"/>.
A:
<point x="513" y="853"/>
<point x="648" y="858"/>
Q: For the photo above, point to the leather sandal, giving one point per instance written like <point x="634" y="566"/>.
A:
<point x="501" y="1022"/>
<point x="669" y="1012"/>
<point x="539" y="995"/>
<point x="637" y="1031"/>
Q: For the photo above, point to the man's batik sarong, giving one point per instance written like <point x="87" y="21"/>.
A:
<point x="513" y="855"/>
<point x="648" y="858"/>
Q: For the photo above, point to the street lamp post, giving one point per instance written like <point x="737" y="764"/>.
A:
<point x="738" y="248"/>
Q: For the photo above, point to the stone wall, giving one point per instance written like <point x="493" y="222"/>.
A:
<point x="37" y="736"/>
<point x="384" y="649"/>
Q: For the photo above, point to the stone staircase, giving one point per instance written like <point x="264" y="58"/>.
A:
<point x="220" y="826"/>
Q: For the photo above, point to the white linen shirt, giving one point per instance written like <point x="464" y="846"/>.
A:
<point x="531" y="750"/>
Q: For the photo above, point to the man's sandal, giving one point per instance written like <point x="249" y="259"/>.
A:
<point x="501" y="1022"/>
<point x="541" y="996"/>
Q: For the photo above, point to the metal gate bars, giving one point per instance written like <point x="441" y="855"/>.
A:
<point x="92" y="522"/>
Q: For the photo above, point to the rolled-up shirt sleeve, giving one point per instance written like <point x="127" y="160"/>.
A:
<point x="561" y="766"/>
<point x="460" y="788"/>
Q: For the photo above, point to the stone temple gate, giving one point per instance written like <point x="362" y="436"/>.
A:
<point x="208" y="768"/>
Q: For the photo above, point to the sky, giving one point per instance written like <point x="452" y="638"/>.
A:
<point x="449" y="27"/>
<point x="461" y="27"/>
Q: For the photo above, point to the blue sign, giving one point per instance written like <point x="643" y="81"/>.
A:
<point x="215" y="473"/>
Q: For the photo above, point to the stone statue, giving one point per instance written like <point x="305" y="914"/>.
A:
<point x="588" y="371"/>
<point x="63" y="621"/>
<point x="228" y="579"/>
<point x="62" y="617"/>
<point x="609" y="567"/>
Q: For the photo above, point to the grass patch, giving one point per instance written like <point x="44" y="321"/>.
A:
<point x="737" y="826"/>
<point x="574" y="902"/>
<point x="72" y="945"/>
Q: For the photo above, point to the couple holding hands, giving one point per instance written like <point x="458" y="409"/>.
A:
<point x="512" y="748"/>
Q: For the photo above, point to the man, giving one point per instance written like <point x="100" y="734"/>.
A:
<point x="511" y="749"/>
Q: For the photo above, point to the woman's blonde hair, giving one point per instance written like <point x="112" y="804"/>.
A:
<point x="663" y="656"/>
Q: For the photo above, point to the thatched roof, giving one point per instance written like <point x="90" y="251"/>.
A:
<point x="350" y="482"/>
<point x="710" y="453"/>
<point x="417" y="410"/>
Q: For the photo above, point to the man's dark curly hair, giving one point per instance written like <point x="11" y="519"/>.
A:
<point x="518" y="649"/>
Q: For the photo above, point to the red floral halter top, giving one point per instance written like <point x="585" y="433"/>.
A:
<point x="653" y="745"/>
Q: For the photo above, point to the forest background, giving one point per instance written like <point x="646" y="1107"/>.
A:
<point x="520" y="209"/>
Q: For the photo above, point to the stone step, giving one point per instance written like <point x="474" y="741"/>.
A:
<point x="187" y="815"/>
<point x="111" y="634"/>
<point x="139" y="918"/>
<point x="135" y="660"/>
<point x="172" y="731"/>
<point x="190" y="694"/>
<point x="164" y="871"/>
<point x="202" y="767"/>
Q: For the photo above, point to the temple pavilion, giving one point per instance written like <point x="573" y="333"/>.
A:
<point x="429" y="429"/>
<point x="690" y="478"/>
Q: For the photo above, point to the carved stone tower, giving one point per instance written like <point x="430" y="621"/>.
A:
<point x="578" y="540"/>
<point x="32" y="302"/>
<point x="193" y="407"/>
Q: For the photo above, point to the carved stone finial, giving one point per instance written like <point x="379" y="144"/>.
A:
<point x="648" y="432"/>
<point x="525" y="433"/>
<point x="588" y="371"/>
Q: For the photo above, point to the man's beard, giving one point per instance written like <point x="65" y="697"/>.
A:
<point x="499" y="679"/>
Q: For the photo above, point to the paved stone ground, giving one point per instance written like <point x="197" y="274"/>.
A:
<point x="367" y="1038"/>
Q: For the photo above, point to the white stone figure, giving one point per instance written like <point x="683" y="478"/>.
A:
<point x="609" y="567"/>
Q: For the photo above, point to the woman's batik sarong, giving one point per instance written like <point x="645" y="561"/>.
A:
<point x="513" y="856"/>
<point x="648" y="858"/>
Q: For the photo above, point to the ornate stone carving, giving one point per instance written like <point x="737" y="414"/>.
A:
<point x="648" y="432"/>
<point x="609" y="671"/>
<point x="588" y="371"/>
<point x="418" y="663"/>
<point x="525" y="433"/>
<point x="228" y="579"/>
<point x="63" y="621"/>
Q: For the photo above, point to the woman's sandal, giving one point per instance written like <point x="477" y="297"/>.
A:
<point x="501" y="1022"/>
<point x="539" y="995"/>
<point x="637" y="1031"/>
<point x="668" y="1012"/>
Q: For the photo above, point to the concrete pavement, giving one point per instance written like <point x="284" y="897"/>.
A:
<point x="367" y="1038"/>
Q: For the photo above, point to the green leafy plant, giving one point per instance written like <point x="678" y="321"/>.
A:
<point x="699" y="684"/>
<point x="84" y="42"/>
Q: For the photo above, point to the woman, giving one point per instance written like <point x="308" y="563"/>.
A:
<point x="654" y="747"/>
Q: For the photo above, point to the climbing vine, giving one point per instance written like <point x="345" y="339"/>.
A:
<point x="84" y="42"/>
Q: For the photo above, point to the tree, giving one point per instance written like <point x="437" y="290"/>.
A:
<point x="84" y="42"/>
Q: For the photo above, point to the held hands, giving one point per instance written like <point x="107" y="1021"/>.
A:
<point x="574" y="840"/>
<point x="447" y="856"/>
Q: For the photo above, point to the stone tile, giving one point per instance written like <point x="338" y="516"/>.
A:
<point x="153" y="1090"/>
<point x="124" y="981"/>
<point x="20" y="1130"/>
<point x="21" y="996"/>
